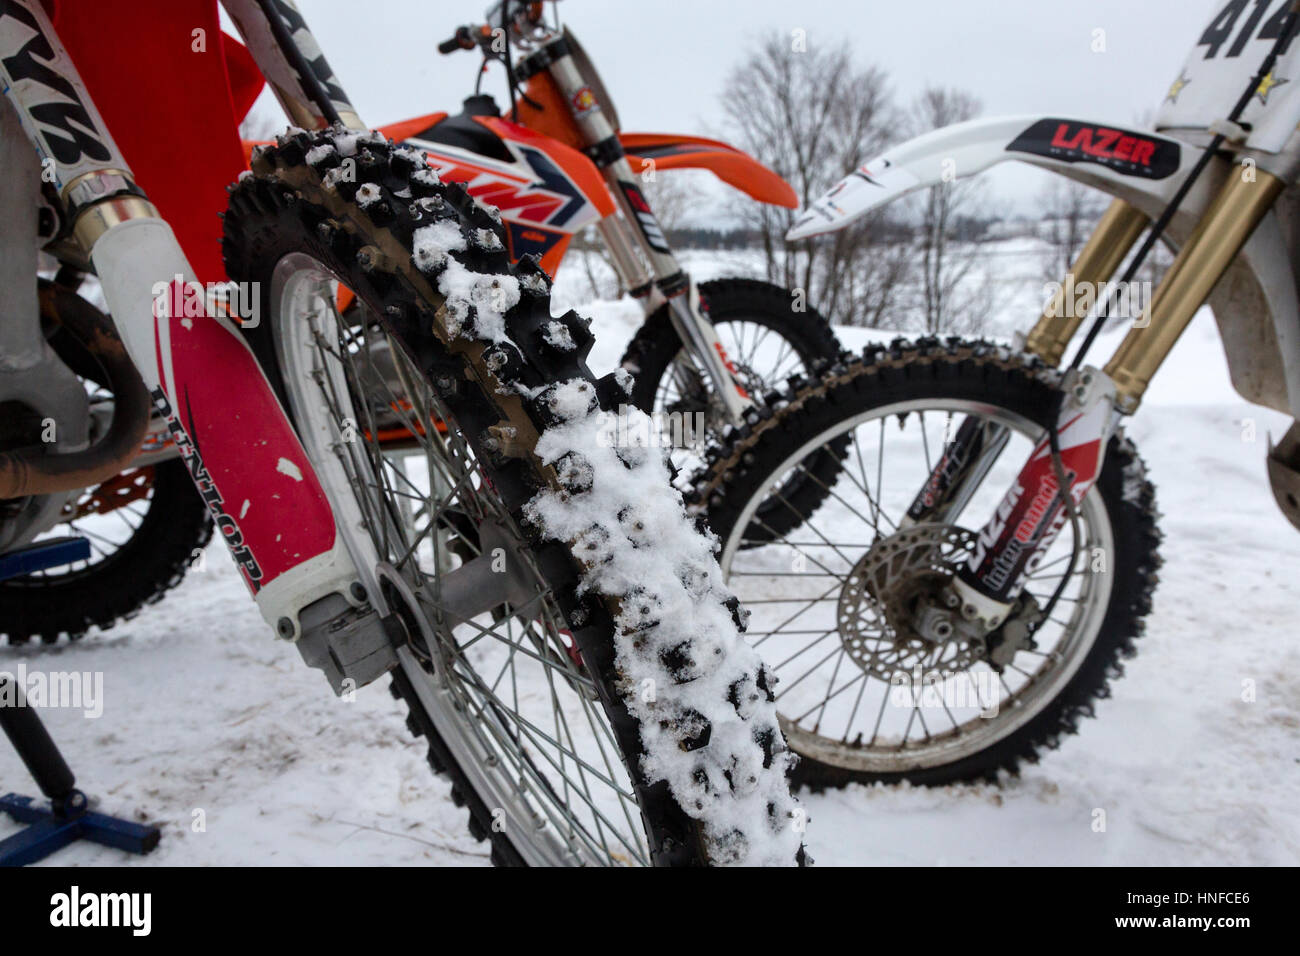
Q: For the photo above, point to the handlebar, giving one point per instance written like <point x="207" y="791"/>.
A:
<point x="517" y="15"/>
<point x="462" y="39"/>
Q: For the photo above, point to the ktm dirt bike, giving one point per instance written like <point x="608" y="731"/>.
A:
<point x="557" y="161"/>
<point x="551" y="618"/>
<point x="553" y="163"/>
<point x="985" y="561"/>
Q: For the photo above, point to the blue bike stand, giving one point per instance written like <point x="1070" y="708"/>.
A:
<point x="48" y="831"/>
<point x="42" y="555"/>
<point x="68" y="817"/>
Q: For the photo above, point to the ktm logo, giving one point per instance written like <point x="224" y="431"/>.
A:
<point x="1105" y="143"/>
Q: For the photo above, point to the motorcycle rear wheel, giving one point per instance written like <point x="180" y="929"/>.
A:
<point x="146" y="527"/>
<point x="138" y="554"/>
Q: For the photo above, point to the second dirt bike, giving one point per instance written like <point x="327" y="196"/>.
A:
<point x="985" y="562"/>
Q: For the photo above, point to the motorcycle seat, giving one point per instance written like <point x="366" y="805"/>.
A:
<point x="463" y="132"/>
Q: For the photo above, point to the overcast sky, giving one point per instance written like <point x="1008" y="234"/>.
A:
<point x="665" y="63"/>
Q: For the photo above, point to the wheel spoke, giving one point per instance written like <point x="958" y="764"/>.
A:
<point x="526" y="724"/>
<point x="839" y="647"/>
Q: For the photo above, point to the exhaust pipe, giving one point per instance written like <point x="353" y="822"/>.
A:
<point x="32" y="471"/>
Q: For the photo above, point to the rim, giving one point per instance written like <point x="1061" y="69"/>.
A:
<point x="765" y="360"/>
<point x="938" y="704"/>
<point x="505" y="688"/>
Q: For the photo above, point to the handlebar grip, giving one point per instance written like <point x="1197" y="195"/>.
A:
<point x="462" y="39"/>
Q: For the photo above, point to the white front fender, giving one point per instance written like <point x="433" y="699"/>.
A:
<point x="1143" y="167"/>
<point x="1255" y="304"/>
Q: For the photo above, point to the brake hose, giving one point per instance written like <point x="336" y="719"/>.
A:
<point x="1284" y="38"/>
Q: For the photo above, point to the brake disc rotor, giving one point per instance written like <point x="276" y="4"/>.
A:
<point x="879" y="598"/>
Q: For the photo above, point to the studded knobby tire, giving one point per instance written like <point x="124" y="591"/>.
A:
<point x="931" y="369"/>
<point x="286" y="206"/>
<point x="656" y="344"/>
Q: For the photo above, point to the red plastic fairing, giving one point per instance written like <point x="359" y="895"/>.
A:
<point x="575" y="165"/>
<point x="404" y="129"/>
<point x="736" y="168"/>
<point x="172" y="109"/>
<point x="238" y="446"/>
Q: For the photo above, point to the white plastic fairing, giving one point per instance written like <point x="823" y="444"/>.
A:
<point x="1224" y="63"/>
<point x="1108" y="156"/>
<point x="130" y="259"/>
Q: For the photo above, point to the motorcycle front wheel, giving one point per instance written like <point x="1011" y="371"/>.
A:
<point x="863" y="697"/>
<point x="770" y="342"/>
<point x="438" y="416"/>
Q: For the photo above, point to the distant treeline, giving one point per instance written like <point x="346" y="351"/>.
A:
<point x="962" y="229"/>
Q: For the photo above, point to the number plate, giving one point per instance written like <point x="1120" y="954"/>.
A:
<point x="1225" y="59"/>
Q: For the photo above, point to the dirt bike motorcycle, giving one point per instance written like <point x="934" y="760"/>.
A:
<point x="705" y="356"/>
<point x="984" y="563"/>
<point x="545" y="609"/>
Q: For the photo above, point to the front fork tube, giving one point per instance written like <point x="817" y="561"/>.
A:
<point x="676" y="287"/>
<point x="689" y="319"/>
<point x="634" y="275"/>
<point x="640" y="230"/>
<point x="965" y="462"/>
<point x="1011" y="546"/>
<point x="976" y="445"/>
<point x="1019" y="533"/>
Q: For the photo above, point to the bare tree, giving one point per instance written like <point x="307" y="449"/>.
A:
<point x="953" y="297"/>
<point x="813" y="116"/>
<point x="1070" y="212"/>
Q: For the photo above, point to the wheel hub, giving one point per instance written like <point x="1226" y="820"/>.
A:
<point x="890" y="589"/>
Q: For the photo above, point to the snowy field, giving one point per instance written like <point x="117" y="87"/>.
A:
<point x="209" y="720"/>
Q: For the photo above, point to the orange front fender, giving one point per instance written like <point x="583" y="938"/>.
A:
<point x="736" y="168"/>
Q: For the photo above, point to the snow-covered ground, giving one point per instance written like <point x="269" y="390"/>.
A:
<point x="217" y="731"/>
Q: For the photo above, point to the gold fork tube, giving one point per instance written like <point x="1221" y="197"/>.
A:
<point x="1116" y="233"/>
<point x="1202" y="261"/>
